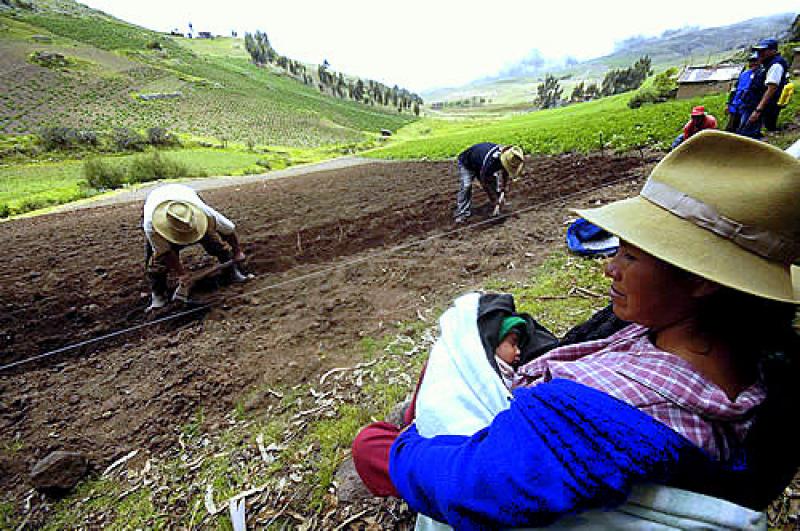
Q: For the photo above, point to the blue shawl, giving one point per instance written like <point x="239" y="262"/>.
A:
<point x="560" y="449"/>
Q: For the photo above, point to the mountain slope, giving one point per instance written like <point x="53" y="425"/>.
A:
<point x="111" y="64"/>
<point x="671" y="48"/>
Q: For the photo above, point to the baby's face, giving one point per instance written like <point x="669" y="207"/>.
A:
<point x="508" y="349"/>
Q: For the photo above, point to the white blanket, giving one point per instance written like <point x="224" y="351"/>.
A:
<point x="461" y="394"/>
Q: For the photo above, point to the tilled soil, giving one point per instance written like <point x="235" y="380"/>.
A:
<point x="338" y="255"/>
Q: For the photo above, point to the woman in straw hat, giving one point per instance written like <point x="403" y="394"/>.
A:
<point x="175" y="217"/>
<point x="684" y="413"/>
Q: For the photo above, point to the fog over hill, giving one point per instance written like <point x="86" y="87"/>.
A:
<point x="675" y="46"/>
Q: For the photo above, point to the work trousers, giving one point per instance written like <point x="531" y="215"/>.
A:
<point x="464" y="197"/>
<point x="770" y="117"/>
<point x="750" y="130"/>
<point x="156" y="267"/>
<point x="734" y="121"/>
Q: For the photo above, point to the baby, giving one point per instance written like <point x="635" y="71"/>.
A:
<point x="512" y="337"/>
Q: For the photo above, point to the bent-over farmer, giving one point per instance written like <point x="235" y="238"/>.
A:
<point x="175" y="217"/>
<point x="492" y="165"/>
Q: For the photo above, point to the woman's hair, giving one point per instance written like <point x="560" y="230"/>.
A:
<point x="755" y="326"/>
<point x="764" y="330"/>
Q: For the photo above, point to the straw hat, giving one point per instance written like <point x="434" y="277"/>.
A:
<point x="180" y="222"/>
<point x="721" y="206"/>
<point x="512" y="158"/>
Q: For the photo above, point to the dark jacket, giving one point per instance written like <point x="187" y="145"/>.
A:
<point x="482" y="159"/>
<point x="758" y="86"/>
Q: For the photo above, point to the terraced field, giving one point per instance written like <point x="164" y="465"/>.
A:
<point x="220" y="95"/>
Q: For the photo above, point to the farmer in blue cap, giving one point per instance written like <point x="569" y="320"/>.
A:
<point x="760" y="103"/>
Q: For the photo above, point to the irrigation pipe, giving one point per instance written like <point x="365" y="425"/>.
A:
<point x="385" y="252"/>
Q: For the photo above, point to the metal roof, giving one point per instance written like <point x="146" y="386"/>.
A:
<point x="709" y="74"/>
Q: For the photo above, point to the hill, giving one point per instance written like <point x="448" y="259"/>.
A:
<point x="110" y="73"/>
<point x="676" y="47"/>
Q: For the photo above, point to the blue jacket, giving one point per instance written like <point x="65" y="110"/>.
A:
<point x="561" y="448"/>
<point x="735" y="105"/>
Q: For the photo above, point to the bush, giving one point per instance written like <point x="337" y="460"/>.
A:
<point x="158" y="136"/>
<point x="153" y="45"/>
<point x="153" y="166"/>
<point x="54" y="138"/>
<point x="664" y="87"/>
<point x="101" y="175"/>
<point x="128" y="140"/>
<point x="5" y="210"/>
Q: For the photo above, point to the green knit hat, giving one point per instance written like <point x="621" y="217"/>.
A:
<point x="517" y="324"/>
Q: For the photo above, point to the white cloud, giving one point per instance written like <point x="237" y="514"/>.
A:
<point x="422" y="44"/>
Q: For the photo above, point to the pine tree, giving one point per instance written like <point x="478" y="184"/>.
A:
<point x="548" y="92"/>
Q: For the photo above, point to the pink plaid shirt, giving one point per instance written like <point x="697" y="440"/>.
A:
<point x="629" y="367"/>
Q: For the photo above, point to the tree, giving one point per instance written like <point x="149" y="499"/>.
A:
<point x="358" y="90"/>
<point x="577" y="93"/>
<point x="591" y="92"/>
<point x="259" y="48"/>
<point x="621" y="80"/>
<point x="548" y="93"/>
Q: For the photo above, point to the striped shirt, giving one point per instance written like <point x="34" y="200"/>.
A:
<point x="629" y="367"/>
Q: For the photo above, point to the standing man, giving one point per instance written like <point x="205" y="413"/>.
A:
<point x="761" y="100"/>
<point x="698" y="121"/>
<point x="175" y="217"/>
<point x="735" y="104"/>
<point x="492" y="165"/>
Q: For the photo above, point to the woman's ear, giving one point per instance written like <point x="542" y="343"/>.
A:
<point x="702" y="287"/>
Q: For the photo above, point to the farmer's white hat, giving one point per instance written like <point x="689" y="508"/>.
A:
<point x="180" y="222"/>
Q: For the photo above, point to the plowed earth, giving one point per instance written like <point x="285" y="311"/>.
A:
<point x="324" y="247"/>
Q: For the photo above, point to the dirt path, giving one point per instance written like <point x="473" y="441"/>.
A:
<point x="211" y="183"/>
<point x="325" y="248"/>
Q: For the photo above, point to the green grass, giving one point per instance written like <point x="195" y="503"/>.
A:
<point x="26" y="187"/>
<point x="223" y="95"/>
<point x="584" y="127"/>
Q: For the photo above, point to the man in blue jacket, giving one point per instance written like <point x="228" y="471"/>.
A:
<point x="735" y="105"/>
<point x="492" y="165"/>
<point x="760" y="103"/>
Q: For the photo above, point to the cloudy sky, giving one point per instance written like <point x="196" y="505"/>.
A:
<point x="422" y="44"/>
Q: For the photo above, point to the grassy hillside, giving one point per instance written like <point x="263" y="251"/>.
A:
<point x="212" y="88"/>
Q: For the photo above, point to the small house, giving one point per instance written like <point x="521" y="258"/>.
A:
<point x="698" y="80"/>
<point x="795" y="68"/>
<point x="204" y="35"/>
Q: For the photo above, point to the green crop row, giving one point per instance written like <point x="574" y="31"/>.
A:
<point x="597" y="125"/>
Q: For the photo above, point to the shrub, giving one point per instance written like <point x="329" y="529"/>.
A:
<point x="5" y="210"/>
<point x="48" y="59"/>
<point x="664" y="87"/>
<point x="158" y="136"/>
<point x="153" y="45"/>
<point x="101" y="175"/>
<point x="264" y="163"/>
<point x="128" y="140"/>
<point x="53" y="138"/>
<point x="153" y="166"/>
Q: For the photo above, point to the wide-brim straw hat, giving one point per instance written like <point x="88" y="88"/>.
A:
<point x="721" y="206"/>
<point x="513" y="158"/>
<point x="180" y="222"/>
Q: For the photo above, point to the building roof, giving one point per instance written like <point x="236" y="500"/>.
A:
<point x="709" y="74"/>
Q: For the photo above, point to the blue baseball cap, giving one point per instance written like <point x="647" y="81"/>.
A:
<point x="766" y="44"/>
